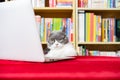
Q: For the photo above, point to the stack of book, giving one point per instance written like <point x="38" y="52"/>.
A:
<point x="85" y="52"/>
<point x="38" y="3"/>
<point x="64" y="3"/>
<point x="52" y="3"/>
<point x="94" y="28"/>
<point x="60" y="3"/>
<point x="99" y="3"/>
<point x="46" y="25"/>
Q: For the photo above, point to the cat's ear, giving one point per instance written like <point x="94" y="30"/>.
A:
<point x="64" y="29"/>
<point x="51" y="33"/>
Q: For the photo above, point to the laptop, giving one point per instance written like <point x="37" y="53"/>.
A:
<point x="19" y="38"/>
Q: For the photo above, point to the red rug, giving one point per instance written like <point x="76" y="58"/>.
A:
<point x="81" y="68"/>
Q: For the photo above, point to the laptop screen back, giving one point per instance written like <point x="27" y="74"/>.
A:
<point x="19" y="39"/>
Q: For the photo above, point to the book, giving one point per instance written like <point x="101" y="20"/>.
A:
<point x="91" y="34"/>
<point x="117" y="3"/>
<point x="38" y="22"/>
<point x="81" y="26"/>
<point x="94" y="28"/>
<point x="63" y="3"/>
<point x="42" y="28"/>
<point x="52" y="3"/>
<point x="117" y="30"/>
<point x="87" y="27"/>
<point x="38" y="3"/>
<point x="48" y="25"/>
<point x="108" y="53"/>
<point x="57" y="24"/>
<point x="98" y="4"/>
<point x="83" y="3"/>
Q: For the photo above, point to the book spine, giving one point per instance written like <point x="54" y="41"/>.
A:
<point x="91" y="26"/>
<point x="99" y="28"/>
<point x="42" y="29"/>
<point x="94" y="29"/>
<point x="87" y="27"/>
<point x="118" y="30"/>
<point x="38" y="22"/>
<point x="68" y="28"/>
<point x="71" y="30"/>
<point x="81" y="17"/>
<point x="34" y="3"/>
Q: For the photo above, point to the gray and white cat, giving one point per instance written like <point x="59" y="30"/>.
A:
<point x="59" y="46"/>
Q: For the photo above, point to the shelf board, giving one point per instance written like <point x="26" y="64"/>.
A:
<point x="100" y="9"/>
<point x="44" y="42"/>
<point x="62" y="12"/>
<point x="116" y="10"/>
<point x="58" y="9"/>
<point x="102" y="46"/>
<point x="99" y="43"/>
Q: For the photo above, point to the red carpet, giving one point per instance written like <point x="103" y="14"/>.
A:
<point x="81" y="68"/>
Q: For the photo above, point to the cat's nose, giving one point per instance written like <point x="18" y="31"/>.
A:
<point x="56" y="44"/>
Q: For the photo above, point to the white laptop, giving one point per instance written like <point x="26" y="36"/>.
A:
<point x="19" y="39"/>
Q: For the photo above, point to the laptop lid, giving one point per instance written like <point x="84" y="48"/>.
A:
<point x="19" y="39"/>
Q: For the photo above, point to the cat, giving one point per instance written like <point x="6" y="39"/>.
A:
<point x="59" y="46"/>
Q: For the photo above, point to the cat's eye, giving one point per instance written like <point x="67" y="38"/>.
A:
<point x="52" y="39"/>
<point x="61" y="40"/>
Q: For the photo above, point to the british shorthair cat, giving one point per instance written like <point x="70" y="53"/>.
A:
<point x="59" y="46"/>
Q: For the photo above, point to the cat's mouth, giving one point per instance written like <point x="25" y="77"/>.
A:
<point x="57" y="46"/>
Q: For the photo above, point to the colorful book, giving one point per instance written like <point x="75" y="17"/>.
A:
<point x="81" y="26"/>
<point x="38" y="22"/>
<point x="117" y="29"/>
<point x="87" y="27"/>
<point x="57" y="24"/>
<point x="117" y="3"/>
<point x="42" y="28"/>
<point x="94" y="28"/>
<point x="91" y="26"/>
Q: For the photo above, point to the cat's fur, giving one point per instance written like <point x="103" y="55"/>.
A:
<point x="59" y="46"/>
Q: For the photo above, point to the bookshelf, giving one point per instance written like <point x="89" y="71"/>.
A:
<point x="97" y="45"/>
<point x="57" y="12"/>
<point x="72" y="12"/>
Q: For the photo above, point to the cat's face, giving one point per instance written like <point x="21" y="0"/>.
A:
<point x="57" y="39"/>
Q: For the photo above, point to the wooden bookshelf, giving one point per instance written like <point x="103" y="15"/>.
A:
<point x="57" y="12"/>
<point x="72" y="12"/>
<point x="105" y="13"/>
